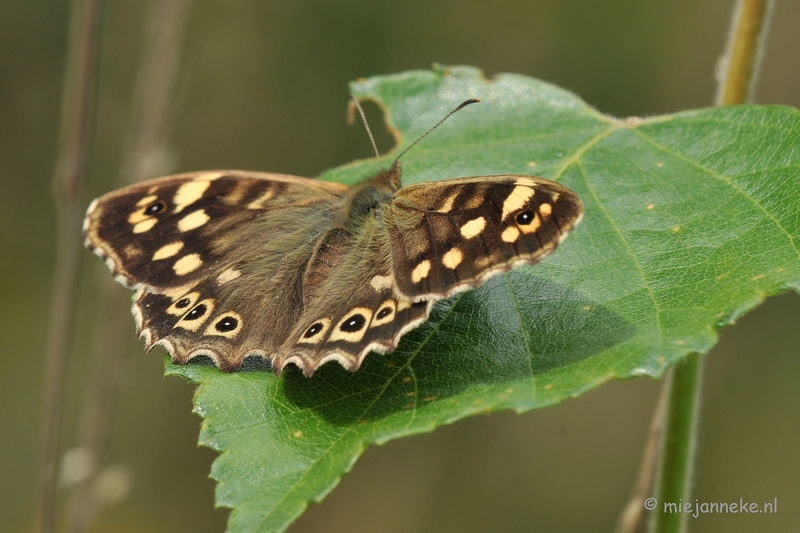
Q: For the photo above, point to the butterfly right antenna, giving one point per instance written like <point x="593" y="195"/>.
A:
<point x="461" y="106"/>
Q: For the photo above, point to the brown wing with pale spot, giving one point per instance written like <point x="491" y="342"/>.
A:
<point x="207" y="253"/>
<point x="453" y="235"/>
<point x="166" y="232"/>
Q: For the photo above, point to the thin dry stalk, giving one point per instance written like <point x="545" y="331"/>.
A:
<point x="146" y="156"/>
<point x="77" y="127"/>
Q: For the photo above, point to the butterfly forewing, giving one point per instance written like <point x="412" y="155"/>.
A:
<point x="452" y="235"/>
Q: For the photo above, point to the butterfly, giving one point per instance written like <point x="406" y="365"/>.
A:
<point x="232" y="264"/>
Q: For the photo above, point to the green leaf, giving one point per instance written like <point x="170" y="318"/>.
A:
<point x="691" y="219"/>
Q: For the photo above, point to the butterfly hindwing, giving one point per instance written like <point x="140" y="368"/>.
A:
<point x="350" y="303"/>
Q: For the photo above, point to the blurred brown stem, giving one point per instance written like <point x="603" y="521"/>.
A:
<point x="633" y="517"/>
<point x="77" y="127"/>
<point x="146" y="156"/>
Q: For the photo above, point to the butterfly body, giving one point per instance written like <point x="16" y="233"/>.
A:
<point x="299" y="271"/>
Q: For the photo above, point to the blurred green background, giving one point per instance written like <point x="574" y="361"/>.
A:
<point x="263" y="86"/>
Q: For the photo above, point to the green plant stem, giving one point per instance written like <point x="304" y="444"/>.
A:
<point x="77" y="114"/>
<point x="677" y="448"/>
<point x="744" y="51"/>
<point x="737" y="83"/>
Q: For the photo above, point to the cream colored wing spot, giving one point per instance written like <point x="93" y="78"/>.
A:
<point x="353" y="326"/>
<point x="189" y="193"/>
<point x="380" y="282"/>
<point x="237" y="193"/>
<point x="183" y="303"/>
<point x="526" y="181"/>
<point x="197" y="316"/>
<point x="228" y="275"/>
<point x="193" y="220"/>
<point x="261" y="200"/>
<point x="168" y="250"/>
<point x="386" y="313"/>
<point x="452" y="258"/>
<point x="447" y="205"/>
<point x="555" y="196"/>
<point x="316" y="332"/>
<point x="482" y="262"/>
<point x="209" y="176"/>
<point x="518" y="198"/>
<point x="132" y="251"/>
<point x="187" y="263"/>
<point x="546" y="210"/>
<point x="421" y="271"/>
<point x="532" y="226"/>
<point x="402" y="305"/>
<point x="144" y="225"/>
<point x="147" y="200"/>
<point x="510" y="234"/>
<point x="473" y="228"/>
<point x="226" y="325"/>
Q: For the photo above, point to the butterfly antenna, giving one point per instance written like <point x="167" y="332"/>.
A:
<point x="369" y="132"/>
<point x="461" y="106"/>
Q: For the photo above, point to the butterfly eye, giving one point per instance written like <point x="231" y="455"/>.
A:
<point x="354" y="323"/>
<point x="525" y="218"/>
<point x="383" y="313"/>
<point x="155" y="208"/>
<point x="226" y="324"/>
<point x="196" y="313"/>
<point x="183" y="304"/>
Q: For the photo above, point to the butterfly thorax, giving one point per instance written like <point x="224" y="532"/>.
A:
<point x="366" y="197"/>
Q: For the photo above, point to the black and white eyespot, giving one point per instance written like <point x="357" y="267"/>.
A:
<point x="155" y="208"/>
<point x="226" y="325"/>
<point x="183" y="303"/>
<point x="352" y="327"/>
<point x="354" y="323"/>
<point x="386" y="313"/>
<point x="315" y="332"/>
<point x="197" y="315"/>
<point x="525" y="218"/>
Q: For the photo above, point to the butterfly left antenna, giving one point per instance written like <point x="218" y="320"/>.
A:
<point x="369" y="132"/>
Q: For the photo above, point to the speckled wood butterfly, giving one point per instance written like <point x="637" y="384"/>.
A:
<point x="230" y="264"/>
